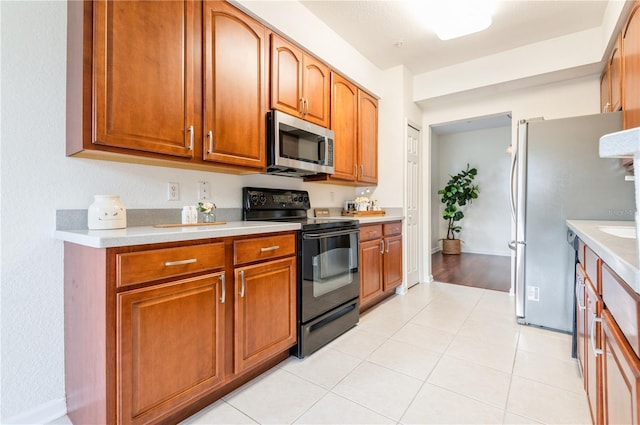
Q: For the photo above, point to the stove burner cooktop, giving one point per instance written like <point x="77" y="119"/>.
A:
<point x="264" y="204"/>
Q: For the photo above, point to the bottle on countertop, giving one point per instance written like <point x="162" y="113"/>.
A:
<point x="194" y="214"/>
<point x="186" y="215"/>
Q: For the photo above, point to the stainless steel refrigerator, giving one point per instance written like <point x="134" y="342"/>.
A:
<point x="557" y="175"/>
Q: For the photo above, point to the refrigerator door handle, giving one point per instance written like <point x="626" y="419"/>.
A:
<point x="512" y="188"/>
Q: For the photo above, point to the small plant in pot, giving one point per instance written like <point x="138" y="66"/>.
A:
<point x="458" y="191"/>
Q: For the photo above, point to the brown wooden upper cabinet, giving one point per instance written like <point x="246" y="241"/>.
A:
<point x="367" y="138"/>
<point x="143" y="68"/>
<point x="137" y="89"/>
<point x="354" y="120"/>
<point x="611" y="81"/>
<point x="299" y="83"/>
<point x="235" y="87"/>
<point x="631" y="69"/>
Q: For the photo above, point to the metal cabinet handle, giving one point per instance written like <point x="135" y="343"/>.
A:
<point x="242" y="281"/>
<point x="356" y="167"/>
<point x="596" y="351"/>
<point x="190" y="130"/>
<point x="306" y="106"/>
<point x="224" y="288"/>
<point x="180" y="262"/>
<point x="578" y="284"/>
<point x="387" y="246"/>
<point x="271" y="248"/>
<point x="210" y="137"/>
<point x="361" y="170"/>
<point x="302" y="105"/>
<point x="381" y="247"/>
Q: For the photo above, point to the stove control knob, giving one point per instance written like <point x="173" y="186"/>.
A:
<point x="263" y="199"/>
<point x="254" y="198"/>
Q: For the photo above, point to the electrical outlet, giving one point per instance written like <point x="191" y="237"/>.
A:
<point x="204" y="191"/>
<point x="173" y="191"/>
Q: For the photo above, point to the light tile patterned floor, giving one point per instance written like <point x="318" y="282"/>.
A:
<point x="441" y="354"/>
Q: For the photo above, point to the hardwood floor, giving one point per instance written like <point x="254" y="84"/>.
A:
<point x="477" y="270"/>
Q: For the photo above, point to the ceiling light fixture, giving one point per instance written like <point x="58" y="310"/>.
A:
<point x="455" y="18"/>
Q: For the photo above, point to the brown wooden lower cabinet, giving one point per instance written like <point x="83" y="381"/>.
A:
<point x="380" y="261"/>
<point x="265" y="314"/>
<point x="607" y="328"/>
<point x="155" y="347"/>
<point x="592" y="357"/>
<point x="620" y="375"/>
<point x="171" y="340"/>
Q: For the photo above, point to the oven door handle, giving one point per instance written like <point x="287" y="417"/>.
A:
<point x="329" y="234"/>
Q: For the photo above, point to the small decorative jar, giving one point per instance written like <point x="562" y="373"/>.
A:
<point x="209" y="217"/>
<point x="106" y="212"/>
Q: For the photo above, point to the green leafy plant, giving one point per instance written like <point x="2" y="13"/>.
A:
<point x="458" y="191"/>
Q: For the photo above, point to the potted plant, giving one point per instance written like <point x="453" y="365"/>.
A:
<point x="458" y="191"/>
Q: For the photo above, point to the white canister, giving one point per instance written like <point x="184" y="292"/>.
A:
<point x="106" y="212"/>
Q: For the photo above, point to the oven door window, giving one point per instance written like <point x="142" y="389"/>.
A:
<point x="329" y="273"/>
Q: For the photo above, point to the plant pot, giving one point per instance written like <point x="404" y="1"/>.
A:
<point x="451" y="246"/>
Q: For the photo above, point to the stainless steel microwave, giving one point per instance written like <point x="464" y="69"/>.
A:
<point x="298" y="148"/>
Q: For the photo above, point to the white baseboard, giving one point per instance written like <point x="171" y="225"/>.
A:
<point x="43" y="414"/>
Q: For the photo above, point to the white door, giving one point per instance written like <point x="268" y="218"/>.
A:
<point x="412" y="203"/>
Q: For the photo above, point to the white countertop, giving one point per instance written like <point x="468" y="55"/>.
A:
<point x="619" y="253"/>
<point x="149" y="234"/>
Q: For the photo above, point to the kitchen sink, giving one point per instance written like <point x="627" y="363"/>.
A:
<point x="628" y="232"/>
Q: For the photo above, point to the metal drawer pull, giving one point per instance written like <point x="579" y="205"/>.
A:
<point x="578" y="285"/>
<point x="180" y="262"/>
<point x="381" y="247"/>
<point x="224" y="288"/>
<point x="242" y="282"/>
<point x="387" y="246"/>
<point x="190" y="129"/>
<point x="210" y="137"/>
<point x="271" y="248"/>
<point x="596" y="351"/>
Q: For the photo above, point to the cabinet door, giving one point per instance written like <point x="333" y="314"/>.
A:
<point x="144" y="76"/>
<point x="621" y="375"/>
<point x="370" y="270"/>
<point x="367" y="138"/>
<point x="344" y="123"/>
<point x="631" y="69"/>
<point x="615" y="76"/>
<point x="316" y="91"/>
<point x="593" y="359"/>
<point x="605" y="91"/>
<point x="265" y="314"/>
<point x="234" y="87"/>
<point x="170" y="345"/>
<point x="581" y="311"/>
<point x="392" y="262"/>
<point x="286" y="76"/>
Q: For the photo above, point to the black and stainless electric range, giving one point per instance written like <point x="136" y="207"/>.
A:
<point x="328" y="264"/>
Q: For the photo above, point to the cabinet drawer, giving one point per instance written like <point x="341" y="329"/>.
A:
<point x="371" y="231"/>
<point x="146" y="266"/>
<point x="263" y="248"/>
<point x="592" y="267"/>
<point x="623" y="303"/>
<point x="394" y="228"/>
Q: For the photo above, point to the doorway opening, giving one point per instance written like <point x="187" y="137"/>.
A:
<point x="483" y="143"/>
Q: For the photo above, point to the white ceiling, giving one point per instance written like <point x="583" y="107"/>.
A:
<point x="374" y="27"/>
